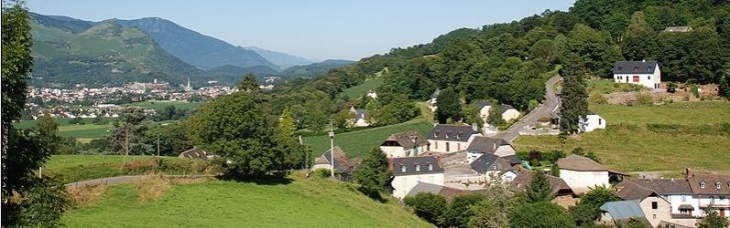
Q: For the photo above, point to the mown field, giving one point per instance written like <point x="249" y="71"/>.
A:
<point x="72" y="168"/>
<point x="359" y="142"/>
<point x="666" y="137"/>
<point x="301" y="203"/>
<point x="82" y="132"/>
<point x="362" y="89"/>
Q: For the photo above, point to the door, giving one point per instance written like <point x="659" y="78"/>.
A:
<point x="722" y="212"/>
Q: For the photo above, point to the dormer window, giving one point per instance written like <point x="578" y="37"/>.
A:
<point x="402" y="168"/>
<point x="418" y="168"/>
<point x="702" y="185"/>
<point x="430" y="167"/>
<point x="718" y="185"/>
<point x="636" y="69"/>
<point x="648" y="68"/>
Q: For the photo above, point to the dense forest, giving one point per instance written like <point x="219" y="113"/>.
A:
<point x="510" y="62"/>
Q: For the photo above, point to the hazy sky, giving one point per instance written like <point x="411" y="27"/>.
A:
<point x="314" y="29"/>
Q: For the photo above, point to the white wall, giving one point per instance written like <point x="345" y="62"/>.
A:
<point x="321" y="166"/>
<point x="504" y="150"/>
<point x="510" y="114"/>
<point x="393" y="151"/>
<point x="580" y="181"/>
<point x="593" y="122"/>
<point x="651" y="81"/>
<point x="661" y="213"/>
<point x="677" y="200"/>
<point x="403" y="184"/>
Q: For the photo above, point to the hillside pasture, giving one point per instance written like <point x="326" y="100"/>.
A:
<point x="160" y="105"/>
<point x="684" y="113"/>
<point x="357" y="143"/>
<point x="72" y="168"/>
<point x="362" y="89"/>
<point x="295" y="202"/>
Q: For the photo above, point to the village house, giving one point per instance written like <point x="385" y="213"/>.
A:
<point x="446" y="138"/>
<point x="409" y="171"/>
<point x="591" y="122"/>
<point x="508" y="112"/>
<point x="493" y="166"/>
<point x="619" y="213"/>
<point x="490" y="145"/>
<point x="196" y="152"/>
<point x="582" y="173"/>
<point x="404" y="144"/>
<point x="645" y="73"/>
<point x="711" y="190"/>
<point x="564" y="195"/>
<point x="324" y="161"/>
<point x="361" y="117"/>
<point x="662" y="200"/>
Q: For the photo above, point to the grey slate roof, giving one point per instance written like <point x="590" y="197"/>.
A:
<point x="436" y="93"/>
<point x="424" y="187"/>
<point x="490" y="162"/>
<point x="360" y="113"/>
<point x="634" y="67"/>
<point x="484" y="103"/>
<point x="448" y="132"/>
<point x="512" y="159"/>
<point x="524" y="178"/>
<point x="410" y="164"/>
<point x="406" y="139"/>
<point x="623" y="209"/>
<point x="341" y="163"/>
<point x="487" y="145"/>
<point x="665" y="186"/>
<point x="630" y="190"/>
<point x="503" y="108"/>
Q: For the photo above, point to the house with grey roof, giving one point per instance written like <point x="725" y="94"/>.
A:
<point x="409" y="171"/>
<point x="324" y="161"/>
<point x="656" y="207"/>
<point x="404" y="144"/>
<point x="447" y="138"/>
<point x="508" y="112"/>
<point x="524" y="178"/>
<point x="621" y="212"/>
<point x="491" y="165"/>
<point x="490" y="145"/>
<point x="644" y="73"/>
<point x="711" y="190"/>
<point x="361" y="119"/>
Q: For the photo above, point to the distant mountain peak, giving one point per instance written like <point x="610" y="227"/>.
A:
<point x="284" y="60"/>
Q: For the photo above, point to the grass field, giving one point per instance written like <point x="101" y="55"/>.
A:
<point x="606" y="86"/>
<point x="71" y="168"/>
<point x="357" y="143"/>
<point x="706" y="112"/>
<point x="82" y="132"/>
<point x="630" y="144"/>
<point x="160" y="105"/>
<point x="357" y="91"/>
<point x="300" y="203"/>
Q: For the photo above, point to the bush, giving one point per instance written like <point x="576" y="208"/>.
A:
<point x="323" y="173"/>
<point x="597" y="98"/>
<point x="644" y="99"/>
<point x="696" y="91"/>
<point x="671" y="87"/>
<point x="427" y="206"/>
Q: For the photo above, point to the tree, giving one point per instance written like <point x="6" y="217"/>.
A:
<point x="555" y="170"/>
<point x="40" y="201"/>
<point x="588" y="209"/>
<point x="725" y="85"/>
<point x="448" y="105"/>
<point x="492" y="212"/>
<point x="286" y="124"/>
<point x="713" y="220"/>
<point x="427" y="206"/>
<point x="294" y="153"/>
<point x="459" y="211"/>
<point x="544" y="50"/>
<point x="542" y="214"/>
<point x="540" y="189"/>
<point x="640" y="42"/>
<point x="672" y="87"/>
<point x="46" y="129"/>
<point x="495" y="115"/>
<point x="373" y="174"/>
<point x="575" y="102"/>
<point x="127" y="135"/>
<point x="238" y="128"/>
<point x="249" y="84"/>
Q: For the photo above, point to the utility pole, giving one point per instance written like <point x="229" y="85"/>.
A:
<point x="306" y="155"/>
<point x="126" y="139"/>
<point x="332" y="150"/>
<point x="158" y="144"/>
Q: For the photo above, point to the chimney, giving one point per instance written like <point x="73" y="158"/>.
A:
<point x="688" y="173"/>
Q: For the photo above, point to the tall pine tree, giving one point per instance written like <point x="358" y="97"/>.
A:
<point x="373" y="174"/>
<point x="540" y="189"/>
<point x="574" y="95"/>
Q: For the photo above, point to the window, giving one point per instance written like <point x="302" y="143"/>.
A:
<point x="418" y="168"/>
<point x="718" y="185"/>
<point x="599" y="121"/>
<point x="684" y="198"/>
<point x="430" y="167"/>
<point x="702" y="185"/>
<point x="447" y="147"/>
<point x="403" y="169"/>
<point x="636" y="78"/>
<point x="654" y="216"/>
<point x="654" y="205"/>
<point x="648" y="77"/>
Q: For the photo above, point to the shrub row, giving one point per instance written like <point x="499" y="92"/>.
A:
<point x="170" y="165"/>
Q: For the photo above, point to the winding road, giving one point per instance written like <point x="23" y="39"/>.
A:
<point x="545" y="109"/>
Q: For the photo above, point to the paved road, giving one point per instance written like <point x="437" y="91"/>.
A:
<point x="545" y="109"/>
<point x="120" y="180"/>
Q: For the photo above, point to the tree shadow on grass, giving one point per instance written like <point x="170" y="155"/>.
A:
<point x="373" y="194"/>
<point x="260" y="180"/>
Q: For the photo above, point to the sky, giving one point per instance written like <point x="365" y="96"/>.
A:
<point x="313" y="29"/>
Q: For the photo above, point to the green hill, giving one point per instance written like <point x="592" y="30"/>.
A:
<point x="105" y="53"/>
<point x="301" y="203"/>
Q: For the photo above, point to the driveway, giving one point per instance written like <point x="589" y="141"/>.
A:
<point x="545" y="109"/>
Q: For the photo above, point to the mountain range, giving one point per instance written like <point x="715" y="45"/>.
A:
<point x="70" y="51"/>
